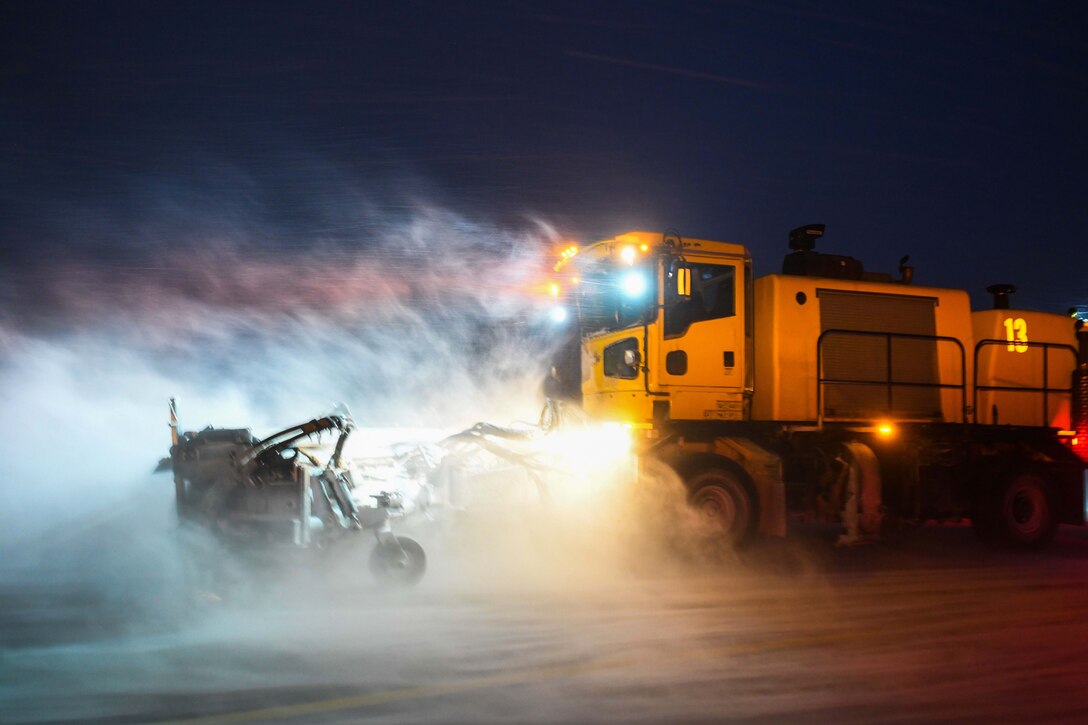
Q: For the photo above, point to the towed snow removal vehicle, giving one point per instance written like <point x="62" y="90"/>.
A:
<point x="268" y="495"/>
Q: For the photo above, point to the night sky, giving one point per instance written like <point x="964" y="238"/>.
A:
<point x="953" y="132"/>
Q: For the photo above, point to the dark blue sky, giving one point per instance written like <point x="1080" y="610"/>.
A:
<point x="954" y="132"/>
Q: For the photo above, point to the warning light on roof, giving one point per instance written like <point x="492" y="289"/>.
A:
<point x="565" y="255"/>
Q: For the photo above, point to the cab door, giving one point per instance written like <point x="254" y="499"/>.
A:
<point x="701" y="338"/>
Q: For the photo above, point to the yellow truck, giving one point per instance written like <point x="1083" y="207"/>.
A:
<point x="826" y="390"/>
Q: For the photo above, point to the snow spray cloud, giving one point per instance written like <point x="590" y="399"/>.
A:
<point x="424" y="322"/>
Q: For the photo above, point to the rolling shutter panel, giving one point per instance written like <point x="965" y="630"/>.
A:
<point x="857" y="368"/>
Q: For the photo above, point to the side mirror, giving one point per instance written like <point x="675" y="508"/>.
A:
<point x="680" y="274"/>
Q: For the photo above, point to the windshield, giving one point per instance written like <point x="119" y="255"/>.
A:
<point x="615" y="296"/>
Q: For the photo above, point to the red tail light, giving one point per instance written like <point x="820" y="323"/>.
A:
<point x="1080" y="445"/>
<point x="1078" y="441"/>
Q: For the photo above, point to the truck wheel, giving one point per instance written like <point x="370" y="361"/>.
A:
<point x="1027" y="515"/>
<point x="402" y="564"/>
<point x="1022" y="515"/>
<point x="723" y="505"/>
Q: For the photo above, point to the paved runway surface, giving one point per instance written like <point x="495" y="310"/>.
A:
<point x="550" y="626"/>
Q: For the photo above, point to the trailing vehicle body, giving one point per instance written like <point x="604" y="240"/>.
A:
<point x="827" y="390"/>
<point x="270" y="496"/>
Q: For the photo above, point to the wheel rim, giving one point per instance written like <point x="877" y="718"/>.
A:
<point x="717" y="507"/>
<point x="1026" y="509"/>
<point x="400" y="564"/>
<point x="396" y="562"/>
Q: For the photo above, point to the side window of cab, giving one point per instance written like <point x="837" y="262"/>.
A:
<point x="713" y="296"/>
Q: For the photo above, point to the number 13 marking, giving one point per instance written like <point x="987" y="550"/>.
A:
<point x="1016" y="332"/>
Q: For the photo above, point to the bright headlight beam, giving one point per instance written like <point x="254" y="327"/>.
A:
<point x="633" y="284"/>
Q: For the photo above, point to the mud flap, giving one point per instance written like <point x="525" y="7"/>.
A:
<point x="862" y="512"/>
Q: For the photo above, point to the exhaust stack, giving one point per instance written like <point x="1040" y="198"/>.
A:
<point x="1001" y="294"/>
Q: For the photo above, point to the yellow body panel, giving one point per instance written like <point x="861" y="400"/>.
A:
<point x="787" y="331"/>
<point x="1024" y="349"/>
<point x="611" y="398"/>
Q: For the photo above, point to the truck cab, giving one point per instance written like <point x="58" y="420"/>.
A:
<point x="665" y="328"/>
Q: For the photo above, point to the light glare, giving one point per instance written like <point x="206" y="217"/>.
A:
<point x="634" y="284"/>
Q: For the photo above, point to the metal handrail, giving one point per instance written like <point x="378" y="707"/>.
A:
<point x="888" y="383"/>
<point x="1046" y="389"/>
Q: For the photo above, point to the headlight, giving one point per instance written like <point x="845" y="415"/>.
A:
<point x="634" y="284"/>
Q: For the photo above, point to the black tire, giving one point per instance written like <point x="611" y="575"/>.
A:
<point x="724" y="506"/>
<point x="398" y="565"/>
<point x="1022" y="515"/>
